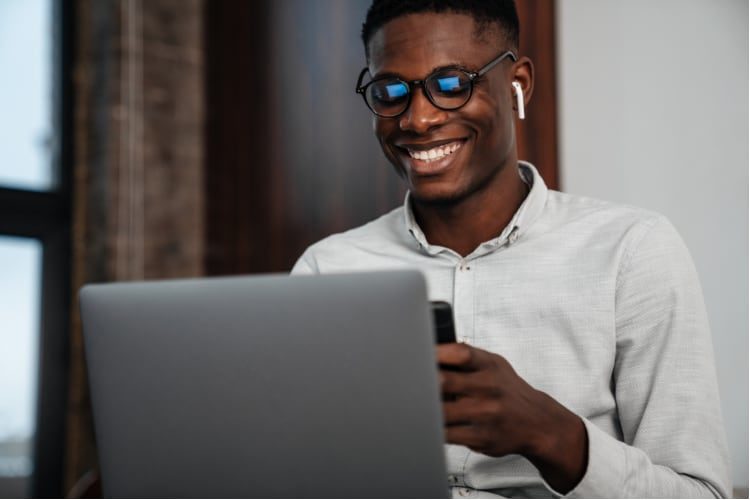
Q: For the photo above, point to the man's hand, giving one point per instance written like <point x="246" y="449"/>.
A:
<point x="495" y="412"/>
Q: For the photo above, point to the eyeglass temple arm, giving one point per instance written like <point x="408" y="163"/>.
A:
<point x="359" y="89"/>
<point x="496" y="61"/>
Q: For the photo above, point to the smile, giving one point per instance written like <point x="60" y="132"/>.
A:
<point x="434" y="154"/>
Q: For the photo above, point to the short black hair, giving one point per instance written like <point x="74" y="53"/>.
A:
<point x="485" y="13"/>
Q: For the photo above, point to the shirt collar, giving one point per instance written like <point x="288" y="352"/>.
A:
<point x="527" y="213"/>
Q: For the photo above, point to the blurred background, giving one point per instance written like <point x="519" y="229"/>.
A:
<point x="182" y="138"/>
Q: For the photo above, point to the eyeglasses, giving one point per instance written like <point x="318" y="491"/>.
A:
<point x="447" y="88"/>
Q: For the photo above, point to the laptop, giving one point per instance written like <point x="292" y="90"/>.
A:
<point x="266" y="386"/>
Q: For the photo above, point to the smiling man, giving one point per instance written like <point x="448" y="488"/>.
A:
<point x="585" y="366"/>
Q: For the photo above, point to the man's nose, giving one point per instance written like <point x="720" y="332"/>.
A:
<point x="421" y="115"/>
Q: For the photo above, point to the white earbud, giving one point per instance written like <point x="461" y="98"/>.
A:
<point x="519" y="99"/>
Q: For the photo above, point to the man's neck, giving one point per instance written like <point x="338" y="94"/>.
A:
<point x="465" y="225"/>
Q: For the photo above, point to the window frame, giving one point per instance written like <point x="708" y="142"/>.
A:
<point x="46" y="217"/>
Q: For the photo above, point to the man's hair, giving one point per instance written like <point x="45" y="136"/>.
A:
<point x="486" y="13"/>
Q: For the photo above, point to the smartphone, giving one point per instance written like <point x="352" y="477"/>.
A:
<point x="442" y="312"/>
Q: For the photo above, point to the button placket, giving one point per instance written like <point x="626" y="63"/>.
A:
<point x="463" y="300"/>
<point x="457" y="481"/>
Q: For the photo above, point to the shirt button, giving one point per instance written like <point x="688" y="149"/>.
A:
<point x="464" y="492"/>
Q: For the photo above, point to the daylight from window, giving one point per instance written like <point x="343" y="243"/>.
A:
<point x="20" y="281"/>
<point x="26" y="139"/>
<point x="26" y="135"/>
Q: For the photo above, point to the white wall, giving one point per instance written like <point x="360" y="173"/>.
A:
<point x="654" y="112"/>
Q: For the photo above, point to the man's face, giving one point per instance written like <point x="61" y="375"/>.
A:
<point x="473" y="143"/>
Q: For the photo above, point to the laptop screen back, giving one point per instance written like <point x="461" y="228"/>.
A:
<point x="266" y="386"/>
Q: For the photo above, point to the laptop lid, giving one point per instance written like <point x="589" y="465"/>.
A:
<point x="266" y="386"/>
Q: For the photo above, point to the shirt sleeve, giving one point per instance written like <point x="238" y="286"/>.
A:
<point x="305" y="264"/>
<point x="664" y="382"/>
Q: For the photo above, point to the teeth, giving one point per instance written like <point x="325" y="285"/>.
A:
<point x="435" y="153"/>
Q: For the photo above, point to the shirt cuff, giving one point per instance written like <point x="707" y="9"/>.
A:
<point x="602" y="478"/>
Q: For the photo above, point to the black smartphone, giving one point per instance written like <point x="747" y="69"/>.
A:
<point x="442" y="312"/>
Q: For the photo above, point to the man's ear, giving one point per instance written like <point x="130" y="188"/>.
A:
<point x="523" y="73"/>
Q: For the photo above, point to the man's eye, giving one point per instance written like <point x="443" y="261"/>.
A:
<point x="394" y="91"/>
<point x="390" y="92"/>
<point x="449" y="84"/>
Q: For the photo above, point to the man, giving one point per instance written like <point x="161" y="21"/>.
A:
<point x="585" y="366"/>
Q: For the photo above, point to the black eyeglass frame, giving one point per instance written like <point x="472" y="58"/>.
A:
<point x="472" y="75"/>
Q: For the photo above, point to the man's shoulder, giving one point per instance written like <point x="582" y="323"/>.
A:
<point x="565" y="209"/>
<point x="386" y="228"/>
<point x="616" y="228"/>
<point x="376" y="243"/>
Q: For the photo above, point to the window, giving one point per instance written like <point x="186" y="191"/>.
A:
<point x="19" y="337"/>
<point x="34" y="243"/>
<point x="26" y="96"/>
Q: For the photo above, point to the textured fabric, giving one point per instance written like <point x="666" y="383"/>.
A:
<point x="596" y="304"/>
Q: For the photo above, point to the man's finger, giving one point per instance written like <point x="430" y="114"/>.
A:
<point x="461" y="356"/>
<point x="455" y="413"/>
<point x="467" y="383"/>
<point x="466" y="435"/>
<point x="470" y="411"/>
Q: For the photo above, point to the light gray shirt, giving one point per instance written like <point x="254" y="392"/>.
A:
<point x="596" y="304"/>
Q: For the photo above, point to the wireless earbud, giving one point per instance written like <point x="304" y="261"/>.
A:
<point x="519" y="99"/>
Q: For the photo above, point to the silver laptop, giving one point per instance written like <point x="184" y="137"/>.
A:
<point x="266" y="386"/>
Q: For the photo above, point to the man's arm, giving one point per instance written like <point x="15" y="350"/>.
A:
<point x="305" y="265"/>
<point x="664" y="378"/>
<point x="664" y="383"/>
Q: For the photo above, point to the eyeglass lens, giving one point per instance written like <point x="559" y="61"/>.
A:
<point x="448" y="89"/>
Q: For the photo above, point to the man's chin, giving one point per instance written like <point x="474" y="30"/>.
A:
<point x="436" y="197"/>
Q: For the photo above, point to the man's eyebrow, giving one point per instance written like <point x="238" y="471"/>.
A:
<point x="450" y="65"/>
